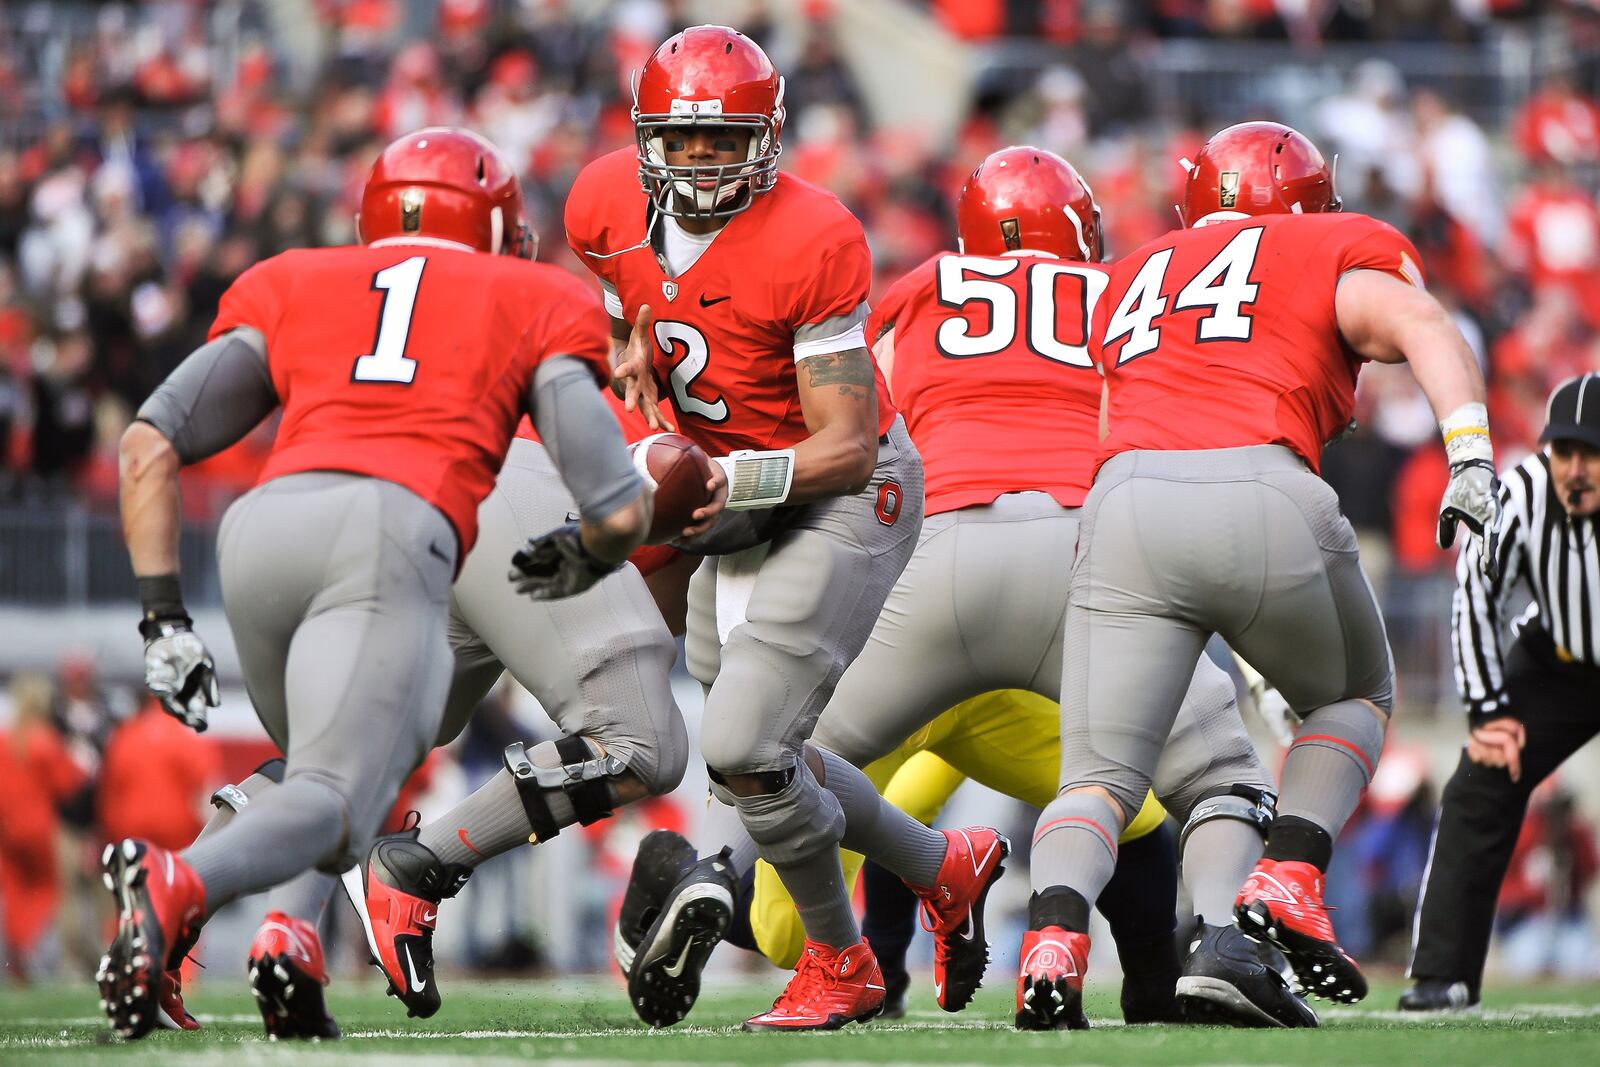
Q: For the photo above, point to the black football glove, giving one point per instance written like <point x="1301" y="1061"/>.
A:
<point x="556" y="565"/>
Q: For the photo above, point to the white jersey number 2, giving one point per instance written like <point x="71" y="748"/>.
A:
<point x="387" y="361"/>
<point x="676" y="336"/>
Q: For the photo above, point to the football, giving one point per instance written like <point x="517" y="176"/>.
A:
<point x="678" y="469"/>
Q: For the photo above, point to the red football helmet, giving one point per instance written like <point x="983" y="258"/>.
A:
<point x="447" y="186"/>
<point x="710" y="76"/>
<point x="1257" y="168"/>
<point x="1027" y="198"/>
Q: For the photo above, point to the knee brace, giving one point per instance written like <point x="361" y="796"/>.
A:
<point x="234" y="797"/>
<point x="798" y="821"/>
<point x="580" y="771"/>
<point x="1246" y="803"/>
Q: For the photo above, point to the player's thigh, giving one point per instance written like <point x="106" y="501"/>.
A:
<point x="1317" y="635"/>
<point x="1128" y="656"/>
<point x="913" y="666"/>
<point x="370" y="664"/>
<point x="812" y="606"/>
<point x="261" y="618"/>
<point x="1008" y="740"/>
<point x="1208" y="748"/>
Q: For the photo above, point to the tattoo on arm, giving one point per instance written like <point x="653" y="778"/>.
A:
<point x="851" y="371"/>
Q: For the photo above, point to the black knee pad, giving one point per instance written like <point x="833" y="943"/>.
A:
<point x="582" y="774"/>
<point x="1247" y="803"/>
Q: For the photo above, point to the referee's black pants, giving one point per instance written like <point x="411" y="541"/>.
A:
<point x="1481" y="813"/>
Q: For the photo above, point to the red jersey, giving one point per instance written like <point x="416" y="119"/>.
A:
<point x="410" y="363"/>
<point x="729" y="331"/>
<point x="1224" y="335"/>
<point x="992" y="373"/>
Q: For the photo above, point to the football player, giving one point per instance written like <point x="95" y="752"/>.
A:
<point x="744" y="292"/>
<point x="402" y="366"/>
<point x="1230" y="349"/>
<point x="599" y="664"/>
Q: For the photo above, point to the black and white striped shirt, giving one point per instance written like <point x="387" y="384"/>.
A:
<point x="1559" y="560"/>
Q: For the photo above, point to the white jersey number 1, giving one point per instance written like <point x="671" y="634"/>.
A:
<point x="388" y="361"/>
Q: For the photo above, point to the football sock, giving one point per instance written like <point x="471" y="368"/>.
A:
<point x="1076" y="844"/>
<point x="891" y="919"/>
<point x="304" y="897"/>
<point x="253" y="786"/>
<point x="879" y="830"/>
<point x="284" y="832"/>
<point x="1328" y="766"/>
<point x="484" y="825"/>
<point x="1218" y="856"/>
<point x="721" y="828"/>
<point x="821" y="898"/>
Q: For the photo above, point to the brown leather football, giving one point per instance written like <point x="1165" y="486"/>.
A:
<point x="680" y="469"/>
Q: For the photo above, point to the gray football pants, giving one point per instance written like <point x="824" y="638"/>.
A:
<point x="981" y="606"/>
<point x="813" y="602"/>
<point x="335" y="586"/>
<point x="599" y="663"/>
<point x="1176" y="546"/>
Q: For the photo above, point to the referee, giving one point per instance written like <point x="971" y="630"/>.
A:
<point x="1528" y="709"/>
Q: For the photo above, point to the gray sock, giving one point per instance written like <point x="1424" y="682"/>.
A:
<point x="222" y="814"/>
<point x="1330" y="763"/>
<point x="879" y="830"/>
<point x="304" y="897"/>
<point x="721" y="827"/>
<point x="822" y="899"/>
<point x="287" y="830"/>
<point x="1217" y="857"/>
<point x="1076" y="844"/>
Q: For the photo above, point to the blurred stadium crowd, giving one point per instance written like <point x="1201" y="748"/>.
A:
<point x="151" y="152"/>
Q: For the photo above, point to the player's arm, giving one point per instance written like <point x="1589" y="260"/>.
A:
<point x="1388" y="320"/>
<point x="839" y="399"/>
<point x="212" y="400"/>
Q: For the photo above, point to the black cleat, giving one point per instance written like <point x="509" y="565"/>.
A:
<point x="1230" y="980"/>
<point x="1437" y="994"/>
<point x="662" y="859"/>
<point x="664" y="981"/>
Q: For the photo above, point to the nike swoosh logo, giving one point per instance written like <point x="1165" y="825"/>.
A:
<point x="938" y="990"/>
<point x="411" y="968"/>
<point x="714" y="300"/>
<point x="429" y="917"/>
<point x="676" y="970"/>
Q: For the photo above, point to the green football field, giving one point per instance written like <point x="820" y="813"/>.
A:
<point x="587" y="1021"/>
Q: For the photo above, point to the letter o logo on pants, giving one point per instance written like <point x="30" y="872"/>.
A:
<point x="889" y="495"/>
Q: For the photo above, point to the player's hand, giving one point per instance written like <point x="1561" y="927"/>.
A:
<point x="1473" y="497"/>
<point x="632" y="378"/>
<point x="179" y="671"/>
<point x="1499" y="743"/>
<point x="557" y="565"/>
<point x="1275" y="712"/>
<point x="706" y="517"/>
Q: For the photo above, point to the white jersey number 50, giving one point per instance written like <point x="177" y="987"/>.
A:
<point x="956" y="289"/>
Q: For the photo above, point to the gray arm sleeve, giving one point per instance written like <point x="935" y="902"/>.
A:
<point x="215" y="397"/>
<point x="583" y="438"/>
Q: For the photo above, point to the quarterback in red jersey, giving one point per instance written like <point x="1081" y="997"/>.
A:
<point x="1230" y="349"/>
<point x="744" y="291"/>
<point x="402" y="368"/>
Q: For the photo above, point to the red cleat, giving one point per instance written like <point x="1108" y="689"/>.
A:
<point x="1050" y="986"/>
<point x="287" y="974"/>
<point x="160" y="906"/>
<point x="952" y="910"/>
<point x="169" y="1004"/>
<point x="1282" y="902"/>
<point x="397" y="893"/>
<point x="828" y="990"/>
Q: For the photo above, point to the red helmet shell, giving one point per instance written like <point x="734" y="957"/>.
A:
<point x="442" y="184"/>
<point x="1028" y="198"/>
<point x="1258" y="168"/>
<point x="715" y="76"/>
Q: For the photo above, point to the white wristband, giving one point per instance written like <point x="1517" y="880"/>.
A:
<point x="1466" y="434"/>
<point x="757" y="479"/>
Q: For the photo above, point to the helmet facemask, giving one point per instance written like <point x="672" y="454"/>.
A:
<point x="712" y="191"/>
